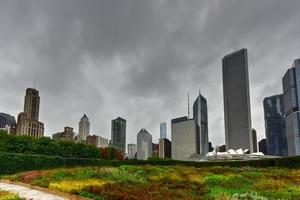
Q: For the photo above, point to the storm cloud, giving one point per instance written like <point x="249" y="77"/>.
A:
<point x="138" y="59"/>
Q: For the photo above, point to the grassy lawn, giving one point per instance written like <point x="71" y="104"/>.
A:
<point x="169" y="182"/>
<point x="5" y="195"/>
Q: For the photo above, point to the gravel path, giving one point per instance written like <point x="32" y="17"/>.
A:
<point x="28" y="193"/>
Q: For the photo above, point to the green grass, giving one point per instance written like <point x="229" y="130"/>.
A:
<point x="169" y="182"/>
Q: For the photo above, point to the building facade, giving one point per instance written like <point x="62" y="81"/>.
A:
<point x="97" y="141"/>
<point x="254" y="140"/>
<point x="6" y="120"/>
<point x="84" y="128"/>
<point x="144" y="145"/>
<point x="28" y="121"/>
<point x="236" y="93"/>
<point x="291" y="100"/>
<point x="163" y="130"/>
<point x="275" y="126"/>
<point x="262" y="145"/>
<point x="200" y="116"/>
<point x="67" y="134"/>
<point x="118" y="134"/>
<point x="183" y="137"/>
<point x="165" y="148"/>
<point x="131" y="151"/>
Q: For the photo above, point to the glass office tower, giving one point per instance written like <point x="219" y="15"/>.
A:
<point x="275" y="126"/>
<point x="291" y="100"/>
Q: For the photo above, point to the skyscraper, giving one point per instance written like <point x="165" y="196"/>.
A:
<point x="118" y="134"/>
<point x="6" y="120"/>
<point x="262" y="144"/>
<point x="237" y="101"/>
<point x="144" y="145"/>
<point x="291" y="100"/>
<point x="163" y="130"/>
<point x="84" y="128"/>
<point x="184" y="139"/>
<point x="200" y="116"/>
<point x="275" y="126"/>
<point x="164" y="148"/>
<point x="28" y="121"/>
<point x="254" y="140"/>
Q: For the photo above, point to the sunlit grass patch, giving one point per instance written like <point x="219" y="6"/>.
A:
<point x="5" y="195"/>
<point x="76" y="186"/>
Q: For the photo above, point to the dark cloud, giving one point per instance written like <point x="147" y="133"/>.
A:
<point x="138" y="59"/>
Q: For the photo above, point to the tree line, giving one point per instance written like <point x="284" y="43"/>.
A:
<point x="46" y="146"/>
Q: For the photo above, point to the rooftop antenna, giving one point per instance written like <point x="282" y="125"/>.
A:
<point x="34" y="83"/>
<point x="188" y="105"/>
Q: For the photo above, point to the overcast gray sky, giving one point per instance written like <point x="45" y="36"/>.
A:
<point x="138" y="58"/>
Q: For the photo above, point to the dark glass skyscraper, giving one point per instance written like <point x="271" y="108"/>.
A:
<point x="118" y="134"/>
<point x="275" y="126"/>
<point x="6" y="120"/>
<point x="291" y="100"/>
<point x="200" y="116"/>
<point x="237" y="101"/>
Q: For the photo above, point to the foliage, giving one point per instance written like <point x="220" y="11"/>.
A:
<point x="170" y="182"/>
<point x="111" y="153"/>
<point x="5" y="195"/>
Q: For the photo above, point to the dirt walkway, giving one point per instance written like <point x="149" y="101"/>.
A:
<point x="28" y="193"/>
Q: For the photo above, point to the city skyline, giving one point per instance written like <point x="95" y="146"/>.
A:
<point x="140" y="61"/>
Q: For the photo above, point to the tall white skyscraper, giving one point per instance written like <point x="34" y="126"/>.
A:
<point x="84" y="128"/>
<point x="163" y="130"/>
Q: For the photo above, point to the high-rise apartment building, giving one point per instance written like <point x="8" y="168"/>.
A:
<point x="291" y="100"/>
<point x="237" y="111"/>
<point x="164" y="148"/>
<point x="84" y="128"/>
<point x="118" y="134"/>
<point x="144" y="145"/>
<point x="200" y="116"/>
<point x="28" y="121"/>
<point x="67" y="134"/>
<point x="163" y="130"/>
<point x="131" y="151"/>
<point x="275" y="126"/>
<point x="184" y="139"/>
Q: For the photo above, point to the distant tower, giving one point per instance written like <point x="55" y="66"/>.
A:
<point x="84" y="128"/>
<point x="237" y="111"/>
<point x="163" y="130"/>
<point x="144" y="145"/>
<point x="200" y="116"/>
<point x="28" y="121"/>
<point x="254" y="139"/>
<point x="291" y="99"/>
<point x="118" y="134"/>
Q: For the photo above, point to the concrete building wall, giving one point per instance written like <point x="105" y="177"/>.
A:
<point x="237" y="101"/>
<point x="183" y="138"/>
<point x="131" y="152"/>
